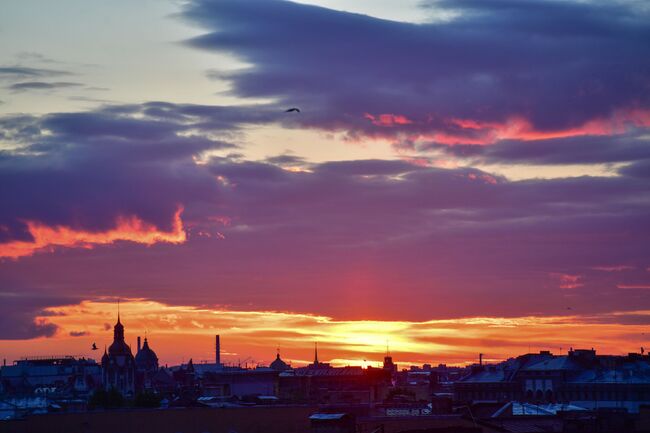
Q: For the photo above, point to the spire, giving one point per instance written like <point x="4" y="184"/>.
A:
<point x="315" y="352"/>
<point x="118" y="329"/>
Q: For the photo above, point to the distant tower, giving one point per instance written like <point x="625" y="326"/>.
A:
<point x="389" y="364"/>
<point x="217" y="350"/>
<point x="388" y="361"/>
<point x="317" y="364"/>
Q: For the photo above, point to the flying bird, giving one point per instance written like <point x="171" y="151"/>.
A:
<point x="94" y="346"/>
<point x="292" y="110"/>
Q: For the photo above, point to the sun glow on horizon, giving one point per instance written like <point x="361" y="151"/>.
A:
<point x="178" y="333"/>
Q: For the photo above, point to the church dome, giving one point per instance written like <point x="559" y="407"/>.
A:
<point x="279" y="364"/>
<point x="146" y="358"/>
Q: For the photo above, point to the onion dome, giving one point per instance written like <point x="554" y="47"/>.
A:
<point x="119" y="346"/>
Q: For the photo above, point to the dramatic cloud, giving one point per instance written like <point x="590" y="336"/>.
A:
<point x="499" y="70"/>
<point x="289" y="234"/>
<point x="164" y="201"/>
<point x="98" y="177"/>
<point x="131" y="229"/>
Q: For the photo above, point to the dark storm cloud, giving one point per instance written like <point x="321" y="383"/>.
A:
<point x="556" y="64"/>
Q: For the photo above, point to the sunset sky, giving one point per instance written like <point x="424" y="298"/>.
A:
<point x="464" y="177"/>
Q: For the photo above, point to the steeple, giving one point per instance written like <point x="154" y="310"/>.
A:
<point x="118" y="329"/>
<point x="105" y="358"/>
<point x="316" y="353"/>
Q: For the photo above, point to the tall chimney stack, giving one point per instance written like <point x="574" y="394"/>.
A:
<point x="480" y="359"/>
<point x="217" y="350"/>
<point x="138" y="344"/>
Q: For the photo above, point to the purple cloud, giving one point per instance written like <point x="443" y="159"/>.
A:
<point x="336" y="237"/>
<point x="558" y="65"/>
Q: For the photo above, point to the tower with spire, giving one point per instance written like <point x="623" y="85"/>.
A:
<point x="118" y="364"/>
<point x="317" y="364"/>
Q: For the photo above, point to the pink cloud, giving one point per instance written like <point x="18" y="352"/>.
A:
<point x="568" y="281"/>
<point x="613" y="268"/>
<point x="454" y="131"/>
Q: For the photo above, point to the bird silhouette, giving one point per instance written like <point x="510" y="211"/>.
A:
<point x="94" y="346"/>
<point x="292" y="110"/>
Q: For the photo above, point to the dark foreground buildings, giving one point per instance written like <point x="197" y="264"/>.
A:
<point x="580" y="378"/>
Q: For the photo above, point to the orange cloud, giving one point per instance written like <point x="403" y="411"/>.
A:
<point x="127" y="228"/>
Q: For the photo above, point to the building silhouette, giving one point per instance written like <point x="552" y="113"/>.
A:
<point x="118" y="364"/>
<point x="146" y="364"/>
<point x="278" y="364"/>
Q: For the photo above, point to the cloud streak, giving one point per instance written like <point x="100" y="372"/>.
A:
<point x="41" y="85"/>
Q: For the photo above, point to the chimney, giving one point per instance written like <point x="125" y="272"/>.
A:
<point x="138" y="344"/>
<point x="217" y="350"/>
<point x="480" y="359"/>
